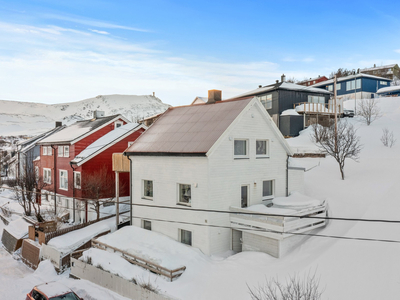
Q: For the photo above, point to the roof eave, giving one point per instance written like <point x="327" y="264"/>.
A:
<point x="197" y="154"/>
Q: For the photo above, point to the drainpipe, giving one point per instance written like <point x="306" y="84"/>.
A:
<point x="131" y="190"/>
<point x="287" y="176"/>
<point x="55" y="180"/>
<point x="73" y="191"/>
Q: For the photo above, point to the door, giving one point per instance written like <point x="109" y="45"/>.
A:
<point x="245" y="196"/>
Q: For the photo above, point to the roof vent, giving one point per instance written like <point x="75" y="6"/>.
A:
<point x="98" y="114"/>
<point x="214" y="96"/>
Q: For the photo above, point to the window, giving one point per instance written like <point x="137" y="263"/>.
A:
<point x="60" y="151"/>
<point x="330" y="87"/>
<point x="266" y="101"/>
<point x="47" y="175"/>
<point x="44" y="150"/>
<point x="118" y="124"/>
<point x="240" y="148"/>
<point x="316" y="99"/>
<point x="383" y="82"/>
<point x="64" y="180"/>
<point x="77" y="180"/>
<point x="36" y="173"/>
<point x="267" y="191"/>
<point x="146" y="225"/>
<point x="351" y="85"/>
<point x="244" y="196"/>
<point x="185" y="195"/>
<point x="49" y="150"/>
<point x="185" y="237"/>
<point x="148" y="189"/>
<point x="66" y="151"/>
<point x="338" y="86"/>
<point x="261" y="148"/>
<point x="66" y="203"/>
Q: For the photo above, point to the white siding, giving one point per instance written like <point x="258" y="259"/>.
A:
<point x="296" y="180"/>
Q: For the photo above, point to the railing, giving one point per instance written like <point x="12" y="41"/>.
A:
<point x="314" y="108"/>
<point x="133" y="259"/>
<point x="278" y="227"/>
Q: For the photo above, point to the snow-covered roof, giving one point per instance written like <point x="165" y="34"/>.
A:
<point x="284" y="86"/>
<point x="378" y="68"/>
<point x="349" y="78"/>
<point x="29" y="144"/>
<point x="78" y="130"/>
<point x="105" y="142"/>
<point x="388" y="89"/>
<point x="290" y="112"/>
<point x="200" y="100"/>
<point x="52" y="289"/>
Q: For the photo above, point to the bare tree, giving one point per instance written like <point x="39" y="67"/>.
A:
<point x="347" y="145"/>
<point x="292" y="80"/>
<point x="99" y="186"/>
<point x="368" y="110"/>
<point x="387" y="138"/>
<point x="294" y="288"/>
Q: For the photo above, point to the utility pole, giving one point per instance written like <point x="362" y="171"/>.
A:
<point x="334" y="103"/>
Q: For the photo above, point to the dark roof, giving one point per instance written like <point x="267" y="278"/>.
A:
<point x="78" y="130"/>
<point x="188" y="130"/>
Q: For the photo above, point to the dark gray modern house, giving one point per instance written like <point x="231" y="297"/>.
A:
<point x="282" y="96"/>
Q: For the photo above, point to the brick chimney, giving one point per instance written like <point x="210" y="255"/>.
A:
<point x="283" y="78"/>
<point x="214" y="96"/>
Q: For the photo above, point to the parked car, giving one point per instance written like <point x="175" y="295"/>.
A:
<point x="52" y="291"/>
<point x="348" y="113"/>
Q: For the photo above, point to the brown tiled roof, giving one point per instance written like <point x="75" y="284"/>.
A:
<point x="188" y="130"/>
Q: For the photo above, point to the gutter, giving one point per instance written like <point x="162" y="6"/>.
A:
<point x="55" y="180"/>
<point x="287" y="176"/>
<point x="73" y="190"/>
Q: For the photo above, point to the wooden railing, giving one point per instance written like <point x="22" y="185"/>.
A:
<point x="313" y="108"/>
<point x="136" y="260"/>
<point x="279" y="227"/>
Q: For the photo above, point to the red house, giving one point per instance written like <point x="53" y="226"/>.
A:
<point x="312" y="81"/>
<point x="83" y="150"/>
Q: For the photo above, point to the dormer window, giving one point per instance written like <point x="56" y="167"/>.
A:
<point x="118" y="124"/>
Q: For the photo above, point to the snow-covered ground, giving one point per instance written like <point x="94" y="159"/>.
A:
<point x="27" y="118"/>
<point x="347" y="269"/>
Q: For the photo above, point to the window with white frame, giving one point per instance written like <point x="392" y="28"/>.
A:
<point x="146" y="225"/>
<point x="261" y="148"/>
<point x="148" y="189"/>
<point x="383" y="83"/>
<point x="266" y="101"/>
<point x="47" y="175"/>
<point x="316" y="99"/>
<point x="49" y="151"/>
<point x="118" y="124"/>
<point x="77" y="180"/>
<point x="185" y="237"/>
<point x="64" y="180"/>
<point x="338" y="86"/>
<point x="44" y="150"/>
<point x="330" y="87"/>
<point x="66" y="203"/>
<point x="240" y="148"/>
<point x="66" y="151"/>
<point x="268" y="189"/>
<point x="354" y="84"/>
<point x="184" y="194"/>
<point x="60" y="151"/>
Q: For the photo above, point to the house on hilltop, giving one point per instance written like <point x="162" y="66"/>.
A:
<point x="80" y="151"/>
<point x="312" y="81"/>
<point x="199" y="160"/>
<point x="391" y="72"/>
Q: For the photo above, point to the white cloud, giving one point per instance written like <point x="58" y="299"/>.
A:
<point x="99" y="31"/>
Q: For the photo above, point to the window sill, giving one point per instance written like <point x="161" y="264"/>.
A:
<point x="261" y="157"/>
<point x="268" y="198"/>
<point x="63" y="189"/>
<point x="145" y="198"/>
<point x="241" y="157"/>
<point x="184" y="204"/>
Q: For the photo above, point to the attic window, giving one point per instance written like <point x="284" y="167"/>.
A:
<point x="118" y="124"/>
<point x="240" y="148"/>
<point x="262" y="148"/>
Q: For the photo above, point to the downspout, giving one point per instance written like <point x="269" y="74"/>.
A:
<point x="287" y="176"/>
<point x="73" y="191"/>
<point x="130" y="190"/>
<point x="55" y="180"/>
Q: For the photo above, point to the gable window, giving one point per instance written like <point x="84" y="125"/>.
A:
<point x="118" y="124"/>
<point x="66" y="151"/>
<point x="261" y="148"/>
<point x="148" y="189"/>
<point x="49" y="150"/>
<point x="47" y="175"/>
<point x="64" y="180"/>
<point x="240" y="148"/>
<point x="44" y="150"/>
<point x="185" y="237"/>
<point x="267" y="189"/>
<point x="60" y="151"/>
<point x="77" y="180"/>
<point x="185" y="194"/>
<point x="146" y="225"/>
<point x="266" y="101"/>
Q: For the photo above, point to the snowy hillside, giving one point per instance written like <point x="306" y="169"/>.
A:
<point x="27" y="118"/>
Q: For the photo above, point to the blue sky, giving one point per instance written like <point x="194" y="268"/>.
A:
<point x="62" y="51"/>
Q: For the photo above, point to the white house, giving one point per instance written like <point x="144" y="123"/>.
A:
<point x="198" y="167"/>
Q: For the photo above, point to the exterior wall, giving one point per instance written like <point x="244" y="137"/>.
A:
<point x="255" y="242"/>
<point x="291" y="125"/>
<point x="369" y="85"/>
<point x="296" y="180"/>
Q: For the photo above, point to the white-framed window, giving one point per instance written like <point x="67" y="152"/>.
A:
<point x="118" y="124"/>
<point x="64" y="180"/>
<point x="266" y="101"/>
<point x="240" y="148"/>
<point x="148" y="189"/>
<point x="262" y="148"/>
<point x="146" y="224"/>
<point x="268" y="189"/>
<point x="354" y="84"/>
<point x="383" y="82"/>
<point x="185" y="237"/>
<point x="184" y="194"/>
<point x="316" y="99"/>
<point x="338" y="86"/>
<point x="77" y="180"/>
<point x="47" y="175"/>
<point x="66" y="203"/>
<point x="66" y="151"/>
<point x="49" y="151"/>
<point x="330" y="87"/>
<point x="244" y="195"/>
<point x="44" y="148"/>
<point x="60" y="151"/>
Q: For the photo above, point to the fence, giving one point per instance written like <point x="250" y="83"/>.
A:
<point x="146" y="264"/>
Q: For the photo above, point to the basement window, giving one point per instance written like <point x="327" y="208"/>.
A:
<point x="146" y="225"/>
<point x="185" y="237"/>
